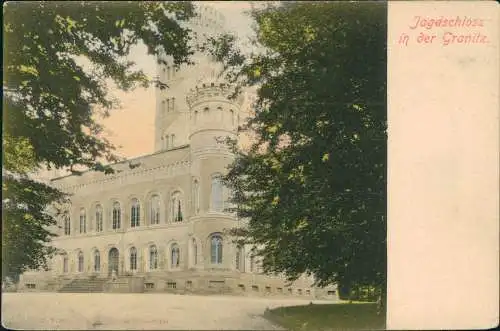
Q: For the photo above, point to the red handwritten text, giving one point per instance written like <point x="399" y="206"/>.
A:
<point x="443" y="22"/>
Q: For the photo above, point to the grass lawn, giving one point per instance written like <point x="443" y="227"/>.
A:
<point x="345" y="316"/>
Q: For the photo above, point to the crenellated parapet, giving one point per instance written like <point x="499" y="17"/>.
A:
<point x="208" y="91"/>
<point x="208" y="18"/>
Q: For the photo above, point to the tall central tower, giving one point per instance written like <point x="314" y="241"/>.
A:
<point x="172" y="120"/>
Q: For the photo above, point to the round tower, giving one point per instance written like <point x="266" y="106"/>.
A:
<point x="172" y="112"/>
<point x="213" y="116"/>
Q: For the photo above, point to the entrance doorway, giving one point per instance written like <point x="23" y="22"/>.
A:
<point x="113" y="263"/>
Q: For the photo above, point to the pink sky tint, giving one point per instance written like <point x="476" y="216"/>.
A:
<point x="132" y="126"/>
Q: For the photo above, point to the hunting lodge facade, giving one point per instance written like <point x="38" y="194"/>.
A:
<point x="157" y="223"/>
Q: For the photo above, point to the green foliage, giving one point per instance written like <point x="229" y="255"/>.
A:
<point x="25" y="222"/>
<point x="312" y="187"/>
<point x="340" y="316"/>
<point x="17" y="154"/>
<point x="51" y="101"/>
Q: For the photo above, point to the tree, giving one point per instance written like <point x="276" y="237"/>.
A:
<point x="312" y="187"/>
<point x="51" y="101"/>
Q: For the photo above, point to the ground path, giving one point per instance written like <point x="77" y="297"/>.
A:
<point x="145" y="311"/>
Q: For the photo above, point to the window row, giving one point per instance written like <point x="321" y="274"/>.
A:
<point x="174" y="257"/>
<point x="219" y="112"/>
<point x="154" y="212"/>
<point x="169" y="72"/>
<point x="168" y="141"/>
<point x="168" y="105"/>
<point x="176" y="214"/>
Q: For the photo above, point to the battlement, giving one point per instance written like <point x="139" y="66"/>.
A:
<point x="208" y="18"/>
<point x="205" y="91"/>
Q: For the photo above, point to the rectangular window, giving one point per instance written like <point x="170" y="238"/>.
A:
<point x="31" y="286"/>
<point x="189" y="284"/>
<point x="171" y="285"/>
<point x="83" y="224"/>
<point x="255" y="288"/>
<point x="217" y="192"/>
<point x="65" y="265"/>
<point x="149" y="285"/>
<point x="98" y="221"/>
<point x="153" y="259"/>
<point x="268" y="289"/>
<point x="97" y="263"/>
<point x="116" y="219"/>
<point x="155" y="216"/>
<point x="67" y="226"/>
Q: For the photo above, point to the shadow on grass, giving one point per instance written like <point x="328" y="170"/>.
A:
<point x="345" y="316"/>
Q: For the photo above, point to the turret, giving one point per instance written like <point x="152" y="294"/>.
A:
<point x="213" y="115"/>
<point x="172" y="112"/>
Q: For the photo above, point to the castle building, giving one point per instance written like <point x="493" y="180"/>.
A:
<point x="157" y="223"/>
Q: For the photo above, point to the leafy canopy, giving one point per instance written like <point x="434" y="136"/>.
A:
<point x="51" y="101"/>
<point x="312" y="187"/>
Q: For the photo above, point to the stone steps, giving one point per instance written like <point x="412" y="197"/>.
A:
<point x="84" y="286"/>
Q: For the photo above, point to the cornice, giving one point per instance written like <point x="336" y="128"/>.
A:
<point x="128" y="174"/>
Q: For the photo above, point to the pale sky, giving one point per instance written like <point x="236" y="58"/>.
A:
<point x="132" y="126"/>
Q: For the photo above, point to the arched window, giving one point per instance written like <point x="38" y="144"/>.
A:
<point x="231" y="112"/>
<point x="240" y="265"/>
<point x="216" y="249"/>
<point x="173" y="99"/>
<point x="98" y="218"/>
<point x="154" y="217"/>
<point x="83" y="221"/>
<point x="67" y="225"/>
<point x="176" y="207"/>
<point x="175" y="256"/>
<point x="97" y="261"/>
<point x="196" y="196"/>
<point x="153" y="257"/>
<point x="172" y="139"/>
<point x="133" y="259"/>
<point x="117" y="215"/>
<point x="80" y="261"/>
<point x="135" y="213"/>
<point x="216" y="193"/>
<point x="195" y="251"/>
<point x="65" y="263"/>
